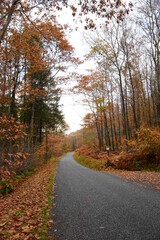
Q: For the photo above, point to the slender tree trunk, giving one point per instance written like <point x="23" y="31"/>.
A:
<point x="126" y="107"/>
<point x="9" y="17"/>
<point x="144" y="102"/>
<point x="107" y="136"/>
<point x="110" y="118"/>
<point x="133" y="98"/>
<point x="46" y="137"/>
<point x="113" y="115"/>
<point x="119" y="124"/>
<point x="40" y="131"/>
<point x="111" y="124"/>
<point x="153" y="99"/>
<point x="99" y="135"/>
<point x="3" y="95"/>
<point x="12" y="107"/>
<point x="158" y="94"/>
<point x="101" y="128"/>
<point x="149" y="103"/>
<point x="32" y="124"/>
<point x="123" y="106"/>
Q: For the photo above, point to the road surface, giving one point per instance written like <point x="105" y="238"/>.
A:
<point x="91" y="205"/>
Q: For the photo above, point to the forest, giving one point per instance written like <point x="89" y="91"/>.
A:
<point x="122" y="93"/>
<point x="32" y="53"/>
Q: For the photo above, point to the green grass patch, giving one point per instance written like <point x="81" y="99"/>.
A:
<point x="43" y="230"/>
<point x="89" y="162"/>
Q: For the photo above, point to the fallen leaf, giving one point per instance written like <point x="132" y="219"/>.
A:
<point x="50" y="221"/>
<point x="29" y="197"/>
<point x="2" y="224"/>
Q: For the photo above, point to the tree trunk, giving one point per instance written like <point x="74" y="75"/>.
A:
<point x="10" y="13"/>
<point x="123" y="106"/>
<point x="107" y="137"/>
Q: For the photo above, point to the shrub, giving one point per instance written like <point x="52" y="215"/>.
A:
<point x="91" y="151"/>
<point x="5" y="187"/>
<point x="128" y="161"/>
<point x="144" y="151"/>
<point x="12" y="154"/>
<point x="148" y="143"/>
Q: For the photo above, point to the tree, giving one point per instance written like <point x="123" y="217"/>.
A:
<point x="29" y="92"/>
<point x="13" y="10"/>
<point x="128" y="72"/>
<point x="150" y="24"/>
<point x="21" y="10"/>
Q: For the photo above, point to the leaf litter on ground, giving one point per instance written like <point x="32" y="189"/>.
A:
<point x="21" y="211"/>
<point x="144" y="178"/>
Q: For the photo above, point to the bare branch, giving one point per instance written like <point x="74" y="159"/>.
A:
<point x="10" y="13"/>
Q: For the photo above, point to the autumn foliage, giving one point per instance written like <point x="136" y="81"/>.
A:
<point x="12" y="154"/>
<point x="122" y="93"/>
<point x="89" y="151"/>
<point x="32" y="52"/>
<point x="149" y="143"/>
<point x="144" y="152"/>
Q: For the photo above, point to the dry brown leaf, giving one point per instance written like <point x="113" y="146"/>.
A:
<point x="2" y="224"/>
<point x="23" y="207"/>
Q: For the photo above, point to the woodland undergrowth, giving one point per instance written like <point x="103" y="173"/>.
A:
<point x="141" y="153"/>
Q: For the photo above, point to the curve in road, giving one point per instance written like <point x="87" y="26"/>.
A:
<point x="91" y="205"/>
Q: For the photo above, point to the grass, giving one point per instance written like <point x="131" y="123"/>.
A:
<point x="151" y="168"/>
<point x="43" y="230"/>
<point x="90" y="162"/>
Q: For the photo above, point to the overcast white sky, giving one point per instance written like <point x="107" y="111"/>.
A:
<point x="72" y="105"/>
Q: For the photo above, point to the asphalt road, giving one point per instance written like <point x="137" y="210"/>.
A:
<point x="90" y="205"/>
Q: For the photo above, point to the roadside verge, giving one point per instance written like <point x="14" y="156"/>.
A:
<point x="149" y="179"/>
<point x="25" y="213"/>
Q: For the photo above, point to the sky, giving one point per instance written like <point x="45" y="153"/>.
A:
<point x="72" y="105"/>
